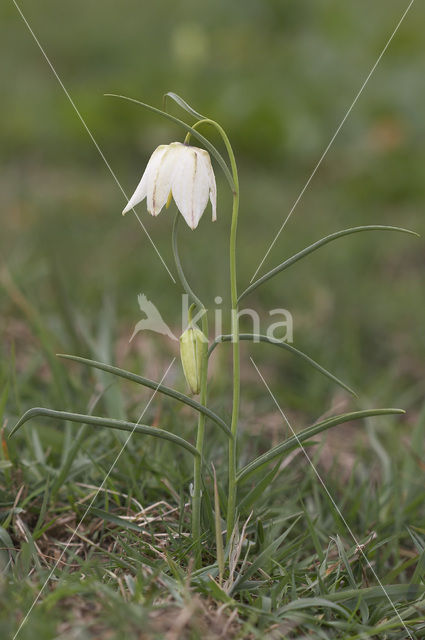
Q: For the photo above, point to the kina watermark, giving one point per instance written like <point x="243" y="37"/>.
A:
<point x="279" y="326"/>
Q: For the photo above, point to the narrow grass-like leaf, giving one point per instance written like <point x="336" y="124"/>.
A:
<point x="72" y="452"/>
<point x="113" y="519"/>
<point x="182" y="103"/>
<point x="218" y="532"/>
<point x="395" y="592"/>
<point x="28" y="550"/>
<point x="207" y="144"/>
<point x="419" y="572"/>
<point x="380" y="630"/>
<point x="294" y="441"/>
<point x="316" y="245"/>
<point x="7" y="543"/>
<point x="249" y="500"/>
<point x="416" y="539"/>
<point x="205" y="572"/>
<point x="67" y="464"/>
<point x="313" y="535"/>
<point x="43" y="510"/>
<point x="253" y="337"/>
<point x="344" y="558"/>
<point x="96" y="421"/>
<point x="46" y="526"/>
<point x="151" y="384"/>
<point x="207" y="510"/>
<point x="217" y="592"/>
<point x="243" y="578"/>
<point x="308" y="603"/>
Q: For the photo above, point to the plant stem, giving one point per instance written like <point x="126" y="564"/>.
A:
<point x="197" y="465"/>
<point x="231" y="502"/>
<point x="186" y="286"/>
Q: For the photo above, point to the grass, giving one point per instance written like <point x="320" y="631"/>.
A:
<point x="295" y="569"/>
<point x="280" y="78"/>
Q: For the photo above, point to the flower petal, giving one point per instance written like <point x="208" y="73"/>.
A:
<point x="138" y="195"/>
<point x="190" y="186"/>
<point x="141" y="189"/>
<point x="159" y="182"/>
<point x="211" y="179"/>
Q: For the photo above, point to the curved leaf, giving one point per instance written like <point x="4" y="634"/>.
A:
<point x="207" y="144"/>
<point x="151" y="384"/>
<point x="316" y="245"/>
<point x="309" y="603"/>
<point x="96" y="421"/>
<point x="396" y="592"/>
<point x="182" y="103"/>
<point x="294" y="441"/>
<point x="283" y="345"/>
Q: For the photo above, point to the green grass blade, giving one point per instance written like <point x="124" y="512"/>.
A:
<point x="110" y="517"/>
<point x="313" y="534"/>
<point x="218" y="531"/>
<point x="252" y="497"/>
<point x="214" y="590"/>
<point x="308" y="603"/>
<point x="7" y="544"/>
<point x="284" y="345"/>
<point x="182" y="103"/>
<point x="257" y="564"/>
<point x="72" y="452"/>
<point x="294" y="441"/>
<point x="419" y="572"/>
<point x="207" y="144"/>
<point x="345" y="560"/>
<point x="316" y="245"/>
<point x="395" y="592"/>
<point x="172" y="393"/>
<point x="96" y="421"/>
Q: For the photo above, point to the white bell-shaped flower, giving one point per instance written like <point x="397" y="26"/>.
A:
<point x="180" y="171"/>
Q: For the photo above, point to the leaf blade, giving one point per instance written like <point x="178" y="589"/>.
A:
<point x="151" y="384"/>
<point x="182" y="104"/>
<point x="294" y="441"/>
<point x="317" y="245"/>
<point x="98" y="421"/>
<point x="284" y="345"/>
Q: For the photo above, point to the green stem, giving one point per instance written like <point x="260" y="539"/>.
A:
<point x="197" y="465"/>
<point x="231" y="503"/>
<point x="179" y="267"/>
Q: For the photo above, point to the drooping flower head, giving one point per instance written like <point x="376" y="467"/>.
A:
<point x="180" y="171"/>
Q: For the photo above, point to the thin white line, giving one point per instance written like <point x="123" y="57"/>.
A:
<point x="99" y="489"/>
<point x="333" y="138"/>
<point x="102" y="155"/>
<point x="359" y="547"/>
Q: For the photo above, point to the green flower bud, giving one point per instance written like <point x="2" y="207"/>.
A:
<point x="193" y="348"/>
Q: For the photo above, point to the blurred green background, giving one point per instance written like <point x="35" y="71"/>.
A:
<point x="279" y="76"/>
